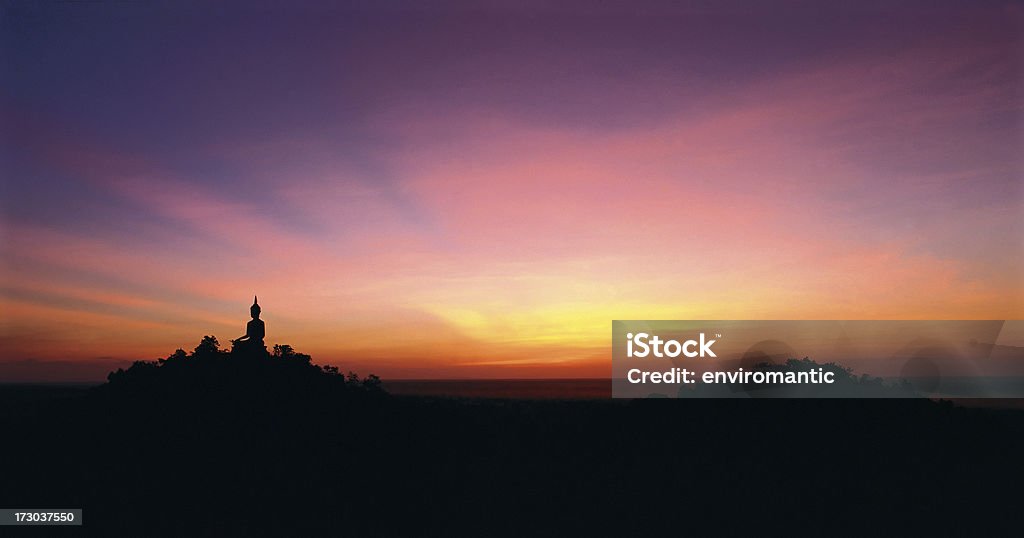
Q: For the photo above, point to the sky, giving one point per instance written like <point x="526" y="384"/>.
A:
<point x="476" y="190"/>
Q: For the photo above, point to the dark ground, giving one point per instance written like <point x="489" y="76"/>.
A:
<point x="252" y="464"/>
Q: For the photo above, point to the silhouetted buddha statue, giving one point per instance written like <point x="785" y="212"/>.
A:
<point x="255" y="330"/>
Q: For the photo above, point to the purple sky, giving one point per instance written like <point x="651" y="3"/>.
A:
<point x="497" y="181"/>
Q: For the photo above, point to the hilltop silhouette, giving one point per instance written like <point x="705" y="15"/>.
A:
<point x="247" y="368"/>
<point x="209" y="370"/>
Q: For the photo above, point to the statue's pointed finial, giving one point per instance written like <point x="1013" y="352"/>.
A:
<point x="254" y="301"/>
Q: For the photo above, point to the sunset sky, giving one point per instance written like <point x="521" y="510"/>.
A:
<point x="479" y="190"/>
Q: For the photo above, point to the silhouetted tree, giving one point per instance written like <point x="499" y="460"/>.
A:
<point x="286" y="352"/>
<point x="209" y="347"/>
<point x="372" y="383"/>
<point x="178" y="355"/>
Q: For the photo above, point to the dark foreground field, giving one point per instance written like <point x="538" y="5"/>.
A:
<point x="249" y="464"/>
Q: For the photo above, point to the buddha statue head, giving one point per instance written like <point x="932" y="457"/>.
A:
<point x="254" y="310"/>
